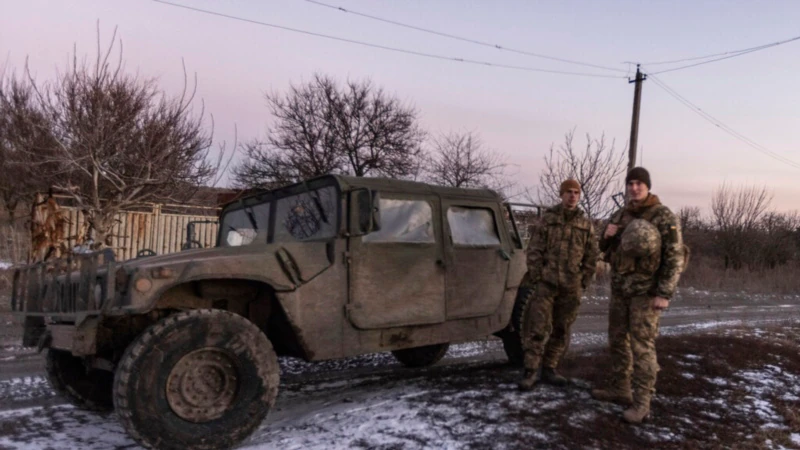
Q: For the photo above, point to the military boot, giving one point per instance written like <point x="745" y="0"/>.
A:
<point x="529" y="380"/>
<point x="618" y="395"/>
<point x="636" y="414"/>
<point x="549" y="375"/>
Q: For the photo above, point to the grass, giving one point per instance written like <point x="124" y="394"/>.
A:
<point x="709" y="275"/>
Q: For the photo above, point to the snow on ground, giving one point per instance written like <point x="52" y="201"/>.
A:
<point x="296" y="366"/>
<point x="422" y="413"/>
<point x="20" y="390"/>
<point x="457" y="406"/>
<point x="61" y="428"/>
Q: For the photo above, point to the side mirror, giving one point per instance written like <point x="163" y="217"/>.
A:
<point x="376" y="211"/>
<point x="364" y="212"/>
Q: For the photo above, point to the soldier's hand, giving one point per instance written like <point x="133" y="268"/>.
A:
<point x="659" y="303"/>
<point x="611" y="230"/>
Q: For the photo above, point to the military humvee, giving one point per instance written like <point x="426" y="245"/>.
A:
<point x="184" y="346"/>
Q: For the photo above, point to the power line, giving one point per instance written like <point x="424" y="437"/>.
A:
<point x="731" y="52"/>
<point x="464" y="39"/>
<point x="711" y="119"/>
<point x="744" y="52"/>
<point x="393" y="49"/>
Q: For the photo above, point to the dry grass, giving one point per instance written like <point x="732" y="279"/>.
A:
<point x="709" y="275"/>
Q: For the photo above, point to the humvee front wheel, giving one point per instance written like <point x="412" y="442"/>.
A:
<point x="421" y="356"/>
<point x="86" y="389"/>
<point x="202" y="379"/>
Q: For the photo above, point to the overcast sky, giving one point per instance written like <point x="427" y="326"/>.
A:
<point x="518" y="113"/>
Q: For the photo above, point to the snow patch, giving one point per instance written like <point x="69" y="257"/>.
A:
<point x="718" y="381"/>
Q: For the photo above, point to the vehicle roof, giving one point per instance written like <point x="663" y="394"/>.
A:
<point x="413" y="187"/>
<point x="348" y="183"/>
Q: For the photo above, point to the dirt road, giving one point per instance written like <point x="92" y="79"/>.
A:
<point x="321" y="404"/>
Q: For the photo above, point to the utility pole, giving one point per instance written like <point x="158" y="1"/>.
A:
<point x="637" y="101"/>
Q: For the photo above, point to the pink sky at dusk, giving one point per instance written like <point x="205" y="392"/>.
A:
<point x="517" y="113"/>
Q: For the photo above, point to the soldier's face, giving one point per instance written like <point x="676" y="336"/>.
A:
<point x="570" y="198"/>
<point x="637" y="191"/>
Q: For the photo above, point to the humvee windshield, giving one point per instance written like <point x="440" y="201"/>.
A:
<point x="309" y="215"/>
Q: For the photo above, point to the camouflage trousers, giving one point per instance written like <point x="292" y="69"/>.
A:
<point x="632" y="332"/>
<point x="545" y="329"/>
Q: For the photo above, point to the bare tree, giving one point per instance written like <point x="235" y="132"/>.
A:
<point x="461" y="160"/>
<point x="23" y="134"/>
<point x="597" y="168"/>
<point x="118" y="140"/>
<point x="321" y="127"/>
<point x="737" y="212"/>
<point x="690" y="218"/>
<point x="779" y="232"/>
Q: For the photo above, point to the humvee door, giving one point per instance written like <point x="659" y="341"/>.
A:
<point x="477" y="259"/>
<point x="397" y="274"/>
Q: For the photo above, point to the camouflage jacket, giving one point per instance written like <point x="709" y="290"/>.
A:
<point x="563" y="252"/>
<point x="654" y="275"/>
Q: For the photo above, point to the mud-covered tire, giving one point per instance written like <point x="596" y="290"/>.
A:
<point x="90" y="390"/>
<point x="202" y="379"/>
<point x="427" y="355"/>
<point x="512" y="335"/>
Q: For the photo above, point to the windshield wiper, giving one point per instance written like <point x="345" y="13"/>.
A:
<point x="317" y="202"/>
<point x="249" y="211"/>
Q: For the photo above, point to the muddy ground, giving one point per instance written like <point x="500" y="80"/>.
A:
<point x="730" y="364"/>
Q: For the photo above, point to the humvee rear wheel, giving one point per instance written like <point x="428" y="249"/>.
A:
<point x="86" y="389"/>
<point x="421" y="356"/>
<point x="202" y="379"/>
<point x="512" y="335"/>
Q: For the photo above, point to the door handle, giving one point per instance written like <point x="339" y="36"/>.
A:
<point x="440" y="262"/>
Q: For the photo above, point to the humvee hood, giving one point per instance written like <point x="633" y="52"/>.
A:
<point x="284" y="265"/>
<point x="198" y="255"/>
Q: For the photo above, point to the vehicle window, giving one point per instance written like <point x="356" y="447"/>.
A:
<point x="246" y="226"/>
<point x="404" y="221"/>
<point x="306" y="216"/>
<point x="472" y="226"/>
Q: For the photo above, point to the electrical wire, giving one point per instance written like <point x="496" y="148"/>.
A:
<point x="725" y="128"/>
<point x="754" y="49"/>
<point x="731" y="52"/>
<point x="464" y="39"/>
<point x="393" y="49"/>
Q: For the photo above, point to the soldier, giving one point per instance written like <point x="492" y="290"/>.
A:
<point x="645" y="249"/>
<point x="562" y="257"/>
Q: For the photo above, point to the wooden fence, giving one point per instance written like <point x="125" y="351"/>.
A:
<point x="149" y="228"/>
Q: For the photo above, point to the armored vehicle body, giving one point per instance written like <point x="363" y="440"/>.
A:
<point x="184" y="346"/>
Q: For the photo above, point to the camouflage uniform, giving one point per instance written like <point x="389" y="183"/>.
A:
<point x="562" y="256"/>
<point x="635" y="280"/>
